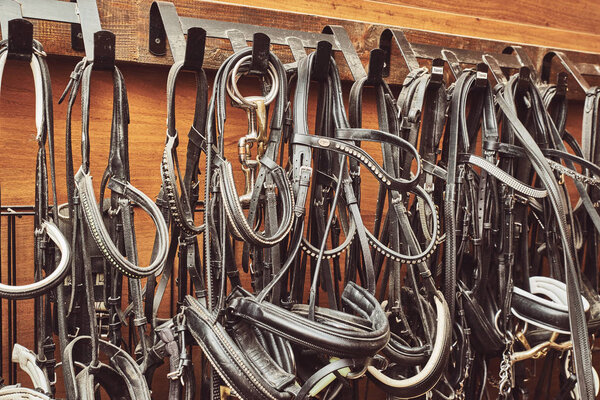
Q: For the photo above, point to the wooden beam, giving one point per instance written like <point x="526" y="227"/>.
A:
<point x="570" y="24"/>
<point x="129" y="20"/>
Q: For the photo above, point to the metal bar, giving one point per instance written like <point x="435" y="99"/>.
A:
<point x="495" y="68"/>
<point x="568" y="66"/>
<point x="18" y="211"/>
<point x="9" y="9"/>
<point x="344" y="43"/>
<point x="279" y="36"/>
<point x="524" y="60"/>
<point x="238" y="34"/>
<point x="237" y="40"/>
<point x="59" y="11"/>
<point x="296" y="47"/>
<point x="430" y="52"/>
<point x="588" y="69"/>
<point x="165" y="24"/>
<point x="219" y="29"/>
<point x="82" y="15"/>
<point x="18" y="214"/>
<point x="385" y="43"/>
<point x="76" y="35"/>
<point x="453" y="62"/>
<point x="90" y="24"/>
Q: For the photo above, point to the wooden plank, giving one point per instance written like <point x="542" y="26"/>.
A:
<point x="566" y="15"/>
<point x="457" y="23"/>
<point x="364" y="35"/>
<point x="130" y="19"/>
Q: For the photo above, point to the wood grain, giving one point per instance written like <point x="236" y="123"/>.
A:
<point x="146" y="83"/>
<point x="567" y="15"/>
<point x="146" y="88"/>
<point x="528" y="22"/>
<point x="570" y="25"/>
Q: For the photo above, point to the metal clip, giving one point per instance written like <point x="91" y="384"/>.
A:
<point x="257" y="133"/>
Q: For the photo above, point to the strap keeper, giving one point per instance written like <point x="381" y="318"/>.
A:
<point x="49" y="346"/>
<point x="117" y="186"/>
<point x="113" y="326"/>
<point x="195" y="137"/>
<point x="268" y="163"/>
<point x="232" y="274"/>
<point x="200" y="293"/>
<point x="140" y="321"/>
<point x="425" y="274"/>
<point x="355" y="173"/>
<point x="379" y="362"/>
<point x="349" y="192"/>
<point x="305" y="174"/>
<point x="185" y="361"/>
<point x="157" y="352"/>
<point x="113" y="301"/>
<point x="161" y="202"/>
<point x="275" y="135"/>
<point x="47" y="363"/>
<point x="303" y="184"/>
<point x="75" y="75"/>
<point x="491" y="145"/>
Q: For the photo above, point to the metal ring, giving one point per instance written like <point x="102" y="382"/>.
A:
<point x="237" y="96"/>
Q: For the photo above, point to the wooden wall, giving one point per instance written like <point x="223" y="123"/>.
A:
<point x="570" y="24"/>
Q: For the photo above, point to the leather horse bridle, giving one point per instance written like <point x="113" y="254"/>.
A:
<point x="122" y="377"/>
<point x="48" y="238"/>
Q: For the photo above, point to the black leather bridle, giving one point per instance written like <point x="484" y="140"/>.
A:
<point x="48" y="237"/>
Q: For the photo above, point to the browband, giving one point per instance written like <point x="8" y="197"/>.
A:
<point x="181" y="205"/>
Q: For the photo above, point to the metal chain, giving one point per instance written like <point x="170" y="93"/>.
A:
<point x="574" y="174"/>
<point x="505" y="385"/>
